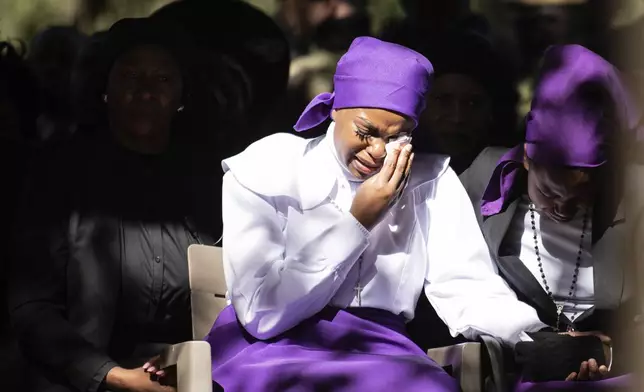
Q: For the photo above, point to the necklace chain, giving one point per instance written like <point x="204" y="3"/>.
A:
<point x="573" y="285"/>
<point x="358" y="289"/>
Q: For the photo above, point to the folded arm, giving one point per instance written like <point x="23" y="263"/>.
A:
<point x="462" y="282"/>
<point x="277" y="277"/>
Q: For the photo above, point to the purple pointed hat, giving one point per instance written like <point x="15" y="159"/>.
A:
<point x="579" y="100"/>
<point x="374" y="74"/>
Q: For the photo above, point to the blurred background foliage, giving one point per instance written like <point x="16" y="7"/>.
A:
<point x="21" y="19"/>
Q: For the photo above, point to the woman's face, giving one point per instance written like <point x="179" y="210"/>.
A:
<point x="144" y="92"/>
<point x="558" y="192"/>
<point x="458" y="115"/>
<point x="361" y="136"/>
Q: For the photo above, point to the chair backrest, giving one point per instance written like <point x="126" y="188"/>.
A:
<point x="207" y="287"/>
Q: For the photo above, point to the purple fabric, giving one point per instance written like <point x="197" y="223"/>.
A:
<point x="500" y="185"/>
<point x="578" y="101"/>
<point x="621" y="383"/>
<point x="373" y="74"/>
<point x="336" y="350"/>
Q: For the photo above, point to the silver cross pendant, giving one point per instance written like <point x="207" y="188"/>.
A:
<point x="358" y="289"/>
<point x="559" y="311"/>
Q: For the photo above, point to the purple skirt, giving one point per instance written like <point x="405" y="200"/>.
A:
<point x="336" y="350"/>
<point x="621" y="383"/>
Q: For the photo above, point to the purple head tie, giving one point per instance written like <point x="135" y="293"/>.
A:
<point x="374" y="74"/>
<point x="579" y="101"/>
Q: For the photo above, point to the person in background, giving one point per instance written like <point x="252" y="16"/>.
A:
<point x="101" y="284"/>
<point x="248" y="82"/>
<point x="52" y="56"/>
<point x="19" y="108"/>
<point x="312" y="70"/>
<point x="537" y="25"/>
<point x="350" y="20"/>
<point x="342" y="244"/>
<point x="299" y="20"/>
<point x="429" y="20"/>
<point x="553" y="217"/>
<point x="88" y="113"/>
<point x="19" y="93"/>
<point x="472" y="103"/>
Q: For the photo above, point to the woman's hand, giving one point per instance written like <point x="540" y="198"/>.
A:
<point x="134" y="380"/>
<point x="590" y="370"/>
<point x="376" y="194"/>
<point x="150" y="367"/>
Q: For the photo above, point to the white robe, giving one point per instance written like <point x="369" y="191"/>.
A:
<point x="291" y="248"/>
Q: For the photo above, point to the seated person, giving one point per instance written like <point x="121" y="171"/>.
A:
<point x="472" y="103"/>
<point x="552" y="213"/>
<point x="52" y="55"/>
<point x="19" y="109"/>
<point x="101" y="284"/>
<point x="329" y="242"/>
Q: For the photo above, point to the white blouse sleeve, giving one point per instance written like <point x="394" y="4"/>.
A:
<point x="462" y="282"/>
<point x="275" y="279"/>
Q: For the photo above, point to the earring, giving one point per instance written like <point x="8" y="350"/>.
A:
<point x="180" y="109"/>
<point x="105" y="98"/>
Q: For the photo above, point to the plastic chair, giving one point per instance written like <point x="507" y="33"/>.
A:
<point x="208" y="298"/>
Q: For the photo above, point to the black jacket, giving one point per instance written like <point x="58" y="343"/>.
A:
<point x="101" y="275"/>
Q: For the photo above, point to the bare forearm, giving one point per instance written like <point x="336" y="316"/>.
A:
<point x="116" y="379"/>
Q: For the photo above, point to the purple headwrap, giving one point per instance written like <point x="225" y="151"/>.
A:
<point x="568" y="123"/>
<point x="373" y="74"/>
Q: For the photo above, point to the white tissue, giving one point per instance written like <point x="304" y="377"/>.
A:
<point x="401" y="141"/>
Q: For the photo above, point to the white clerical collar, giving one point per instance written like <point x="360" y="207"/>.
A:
<point x="330" y="142"/>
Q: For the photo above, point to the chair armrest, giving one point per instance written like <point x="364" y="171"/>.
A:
<point x="465" y="360"/>
<point x="194" y="365"/>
